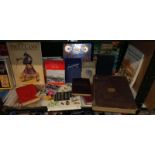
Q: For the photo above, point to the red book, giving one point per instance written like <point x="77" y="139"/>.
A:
<point x="27" y="94"/>
<point x="55" y="72"/>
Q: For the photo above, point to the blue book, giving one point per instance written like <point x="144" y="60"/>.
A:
<point x="3" y="94"/>
<point x="73" y="68"/>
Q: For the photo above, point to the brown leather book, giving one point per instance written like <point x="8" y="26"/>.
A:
<point x="113" y="94"/>
<point x="81" y="86"/>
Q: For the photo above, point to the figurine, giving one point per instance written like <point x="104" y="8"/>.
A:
<point x="29" y="72"/>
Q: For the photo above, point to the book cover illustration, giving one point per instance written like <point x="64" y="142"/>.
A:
<point x="26" y="60"/>
<point x="88" y="70"/>
<point x="55" y="72"/>
<point x="77" y="50"/>
<point x="73" y="103"/>
<point x="63" y="100"/>
<point x="73" y="67"/>
<point x="5" y="79"/>
<point x="131" y="64"/>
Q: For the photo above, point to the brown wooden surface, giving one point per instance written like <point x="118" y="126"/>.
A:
<point x="147" y="47"/>
<point x="150" y="99"/>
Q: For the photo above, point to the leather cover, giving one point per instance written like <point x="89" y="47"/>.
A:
<point x="112" y="93"/>
<point x="81" y="86"/>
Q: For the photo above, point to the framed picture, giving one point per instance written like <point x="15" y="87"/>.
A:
<point x="5" y="75"/>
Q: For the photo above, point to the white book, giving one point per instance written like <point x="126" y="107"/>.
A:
<point x="88" y="70"/>
<point x="84" y="104"/>
<point x="131" y="64"/>
<point x="12" y="99"/>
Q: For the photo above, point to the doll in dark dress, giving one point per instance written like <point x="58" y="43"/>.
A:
<point x="29" y="72"/>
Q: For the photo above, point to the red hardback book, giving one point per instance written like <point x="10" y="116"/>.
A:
<point x="27" y="94"/>
<point x="55" y="71"/>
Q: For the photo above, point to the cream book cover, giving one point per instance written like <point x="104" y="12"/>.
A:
<point x="131" y="64"/>
<point x="27" y="64"/>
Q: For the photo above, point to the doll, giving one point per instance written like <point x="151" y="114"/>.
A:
<point x="29" y="72"/>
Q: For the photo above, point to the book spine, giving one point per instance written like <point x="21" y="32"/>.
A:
<point x="10" y="73"/>
<point x="146" y="83"/>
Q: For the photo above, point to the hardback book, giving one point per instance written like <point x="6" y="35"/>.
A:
<point x="73" y="67"/>
<point x="26" y="60"/>
<point x="113" y="94"/>
<point x="88" y="70"/>
<point x="111" y="48"/>
<point x="78" y="50"/>
<point x="131" y="64"/>
<point x="55" y="71"/>
<point x="6" y="76"/>
<point x="27" y="94"/>
<point x="104" y="65"/>
<point x="81" y="87"/>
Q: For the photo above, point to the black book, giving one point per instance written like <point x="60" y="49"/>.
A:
<point x="81" y="86"/>
<point x="147" y="82"/>
<point x="105" y="64"/>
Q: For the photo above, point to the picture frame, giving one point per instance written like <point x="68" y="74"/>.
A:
<point x="6" y="77"/>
